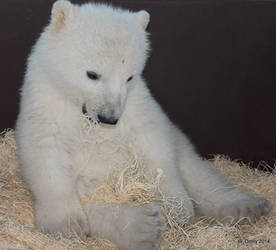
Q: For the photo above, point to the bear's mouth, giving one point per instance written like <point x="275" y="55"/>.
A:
<point x="84" y="111"/>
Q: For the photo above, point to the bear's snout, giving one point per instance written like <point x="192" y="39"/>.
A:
<point x="101" y="118"/>
<point x="107" y="120"/>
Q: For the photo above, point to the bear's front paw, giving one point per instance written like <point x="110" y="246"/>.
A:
<point x="249" y="209"/>
<point x="62" y="218"/>
<point x="142" y="228"/>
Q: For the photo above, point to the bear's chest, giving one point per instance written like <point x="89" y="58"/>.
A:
<point x="100" y="151"/>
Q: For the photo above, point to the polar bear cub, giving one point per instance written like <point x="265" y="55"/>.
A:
<point x="89" y="59"/>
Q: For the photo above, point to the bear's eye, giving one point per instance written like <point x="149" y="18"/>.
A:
<point x="93" y="75"/>
<point x="129" y="79"/>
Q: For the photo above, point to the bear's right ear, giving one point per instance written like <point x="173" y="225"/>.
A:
<point x="61" y="11"/>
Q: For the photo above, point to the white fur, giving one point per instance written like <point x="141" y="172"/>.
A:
<point x="54" y="156"/>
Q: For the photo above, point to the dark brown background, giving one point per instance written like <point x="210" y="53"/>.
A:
<point x="212" y="68"/>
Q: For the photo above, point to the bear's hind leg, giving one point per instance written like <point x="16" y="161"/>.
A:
<point x="214" y="196"/>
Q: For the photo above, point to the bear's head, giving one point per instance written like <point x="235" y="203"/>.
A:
<point x="95" y="53"/>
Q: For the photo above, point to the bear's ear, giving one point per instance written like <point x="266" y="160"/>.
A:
<point x="143" y="18"/>
<point x="61" y="11"/>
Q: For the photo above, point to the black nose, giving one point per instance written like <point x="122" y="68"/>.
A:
<point x="107" y="120"/>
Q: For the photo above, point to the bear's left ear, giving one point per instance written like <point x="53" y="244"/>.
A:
<point x="143" y="18"/>
<point x="61" y="11"/>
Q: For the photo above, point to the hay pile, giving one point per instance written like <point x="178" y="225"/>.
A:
<point x="17" y="221"/>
